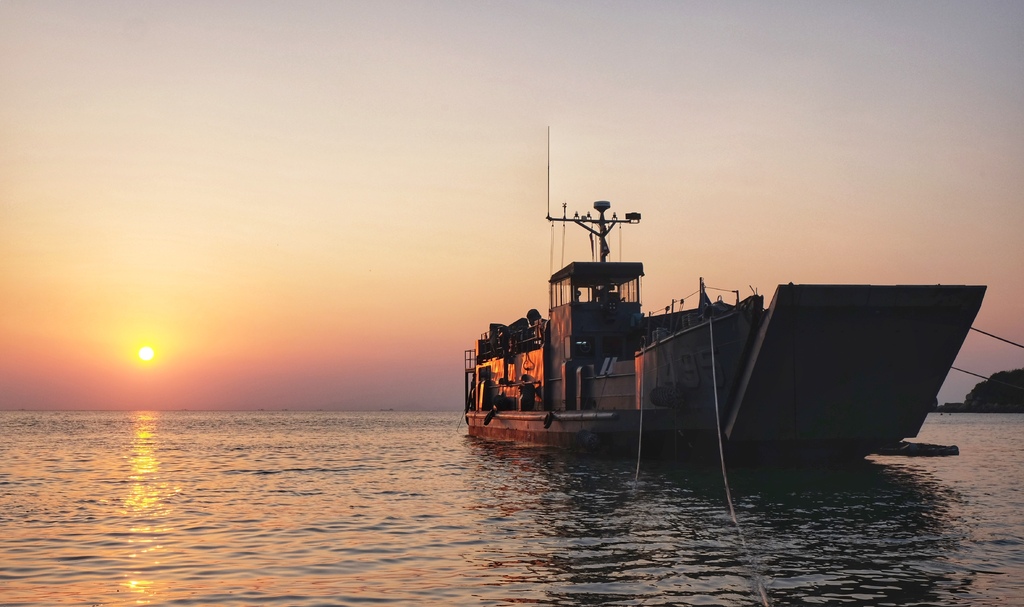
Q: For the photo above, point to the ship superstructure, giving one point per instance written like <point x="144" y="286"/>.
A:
<point x="826" y="372"/>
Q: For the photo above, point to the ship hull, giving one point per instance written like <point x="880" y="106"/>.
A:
<point x="828" y="374"/>
<point x="616" y="433"/>
<point x="664" y="438"/>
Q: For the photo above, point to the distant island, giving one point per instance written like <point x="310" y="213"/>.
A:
<point x="1001" y="393"/>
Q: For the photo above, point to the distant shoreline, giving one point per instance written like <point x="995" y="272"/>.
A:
<point x="979" y="408"/>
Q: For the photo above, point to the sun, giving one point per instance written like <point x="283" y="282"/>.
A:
<point x="146" y="353"/>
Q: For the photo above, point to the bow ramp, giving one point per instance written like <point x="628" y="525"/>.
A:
<point x="857" y="364"/>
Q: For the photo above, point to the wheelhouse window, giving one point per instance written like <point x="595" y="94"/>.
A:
<point x="629" y="291"/>
<point x="592" y="282"/>
<point x="561" y="293"/>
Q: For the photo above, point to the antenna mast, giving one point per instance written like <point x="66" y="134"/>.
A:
<point x="603" y="225"/>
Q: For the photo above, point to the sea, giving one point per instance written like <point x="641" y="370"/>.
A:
<point x="275" y="508"/>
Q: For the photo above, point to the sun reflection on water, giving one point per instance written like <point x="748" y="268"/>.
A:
<point x="145" y="506"/>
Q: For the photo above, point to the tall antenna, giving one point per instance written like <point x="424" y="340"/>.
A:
<point x="549" y="173"/>
<point x="551" y="263"/>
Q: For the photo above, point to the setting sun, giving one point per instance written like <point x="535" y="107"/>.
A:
<point x="146" y="353"/>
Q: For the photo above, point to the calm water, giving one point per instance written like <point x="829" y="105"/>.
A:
<point x="304" y="508"/>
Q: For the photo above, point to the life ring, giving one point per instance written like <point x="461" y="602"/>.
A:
<point x="490" y="416"/>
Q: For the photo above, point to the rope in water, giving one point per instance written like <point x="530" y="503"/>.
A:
<point x="725" y="477"/>
<point x="640" y="438"/>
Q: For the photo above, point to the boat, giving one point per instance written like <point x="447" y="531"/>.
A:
<point x="824" y="374"/>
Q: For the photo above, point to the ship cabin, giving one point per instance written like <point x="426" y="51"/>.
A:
<point x="594" y="331"/>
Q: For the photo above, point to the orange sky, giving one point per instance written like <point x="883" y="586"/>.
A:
<point x="323" y="204"/>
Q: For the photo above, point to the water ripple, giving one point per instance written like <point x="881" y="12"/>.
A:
<point x="317" y="508"/>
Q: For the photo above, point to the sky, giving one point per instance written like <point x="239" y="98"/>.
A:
<point x="323" y="204"/>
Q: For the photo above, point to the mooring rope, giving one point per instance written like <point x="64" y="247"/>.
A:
<point x="563" y="239"/>
<point x="551" y="257"/>
<point x="640" y="438"/>
<point x="995" y="381"/>
<point x="725" y="477"/>
<point x="636" y="477"/>
<point x="1012" y="343"/>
